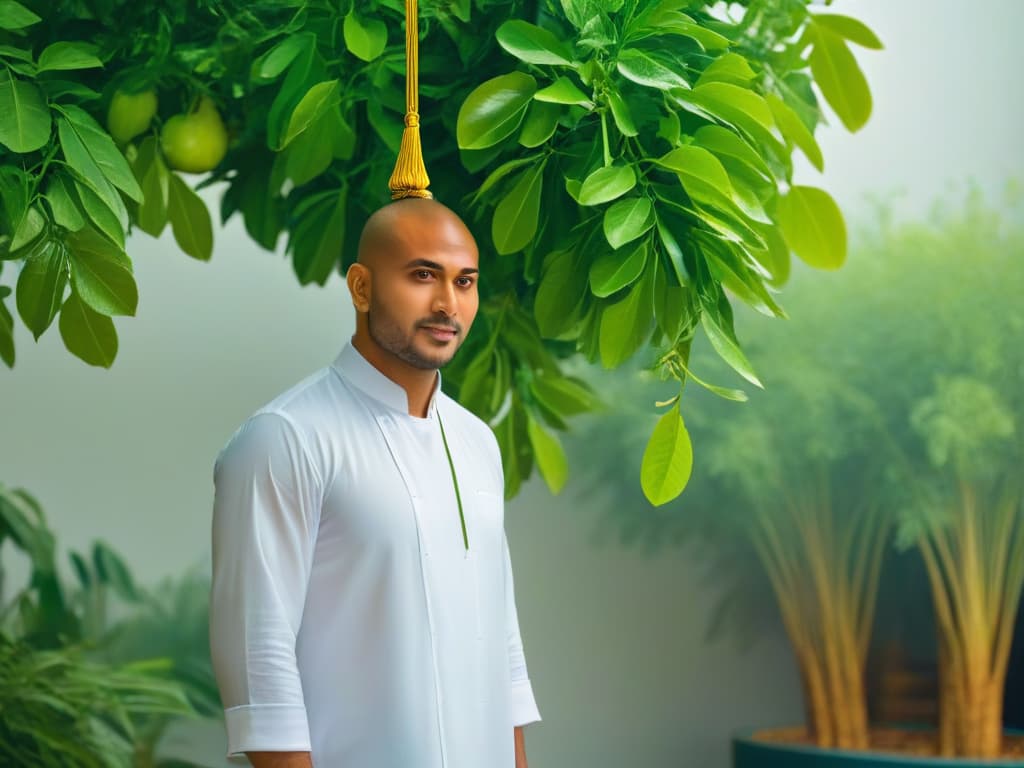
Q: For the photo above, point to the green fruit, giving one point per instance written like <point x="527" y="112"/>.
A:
<point x="195" y="142"/>
<point x="130" y="114"/>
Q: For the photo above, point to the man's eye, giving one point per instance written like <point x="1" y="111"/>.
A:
<point x="423" y="274"/>
<point x="465" y="282"/>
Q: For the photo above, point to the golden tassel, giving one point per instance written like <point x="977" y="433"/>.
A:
<point x="409" y="179"/>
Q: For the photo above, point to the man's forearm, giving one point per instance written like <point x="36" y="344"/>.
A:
<point x="280" y="759"/>
<point x="520" y="740"/>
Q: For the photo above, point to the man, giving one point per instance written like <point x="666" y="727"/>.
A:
<point x="362" y="612"/>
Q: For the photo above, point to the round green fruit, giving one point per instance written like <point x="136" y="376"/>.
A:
<point x="130" y="114"/>
<point x="195" y="142"/>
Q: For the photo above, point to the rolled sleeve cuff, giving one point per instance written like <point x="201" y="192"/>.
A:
<point x="524" y="706"/>
<point x="266" y="728"/>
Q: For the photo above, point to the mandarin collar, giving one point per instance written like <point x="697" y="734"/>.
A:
<point x="357" y="370"/>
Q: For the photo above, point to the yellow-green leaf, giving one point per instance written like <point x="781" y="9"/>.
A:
<point x="668" y="459"/>
<point x="813" y="227"/>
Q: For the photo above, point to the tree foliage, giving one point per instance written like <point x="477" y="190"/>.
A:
<point x="627" y="167"/>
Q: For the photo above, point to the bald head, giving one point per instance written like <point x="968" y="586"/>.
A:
<point x="403" y="225"/>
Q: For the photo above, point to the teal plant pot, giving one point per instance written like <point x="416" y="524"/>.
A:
<point x="750" y="753"/>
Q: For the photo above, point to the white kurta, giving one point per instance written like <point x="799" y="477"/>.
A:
<point x="346" y="616"/>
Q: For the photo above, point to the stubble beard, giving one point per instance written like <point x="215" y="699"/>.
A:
<point x="389" y="336"/>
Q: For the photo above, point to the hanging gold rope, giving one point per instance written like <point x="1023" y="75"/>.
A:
<point x="409" y="179"/>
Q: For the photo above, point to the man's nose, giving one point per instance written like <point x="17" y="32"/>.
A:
<point x="445" y="301"/>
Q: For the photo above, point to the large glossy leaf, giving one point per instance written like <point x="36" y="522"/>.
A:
<point x="64" y="55"/>
<point x="87" y="334"/>
<point x="668" y="459"/>
<point x="190" y="220"/>
<point x="41" y="285"/>
<point x="607" y="184"/>
<point x="88" y="148"/>
<point x="515" y="218"/>
<point x="840" y="79"/>
<point x="111" y="223"/>
<point x="366" y="38"/>
<point x="64" y="209"/>
<point x="614" y="270"/>
<point x="550" y="456"/>
<point x="641" y="68"/>
<point x="627" y="220"/>
<point x="532" y="44"/>
<point x="728" y="68"/>
<point x="494" y="110"/>
<point x="813" y="227"/>
<point x="24" y="116"/>
<point x="693" y="163"/>
<point x="101" y="274"/>
<point x="732" y="103"/>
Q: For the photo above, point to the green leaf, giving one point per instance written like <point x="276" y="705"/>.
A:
<point x="6" y="335"/>
<point x="621" y="114"/>
<point x="59" y="90"/>
<point x="501" y="172"/>
<point x="41" y="284"/>
<point x="24" y="116"/>
<point x="564" y="91"/>
<point x="532" y="44"/>
<point x="612" y="270"/>
<point x="725" y="344"/>
<point x="62" y="205"/>
<point x="87" y="334"/>
<point x="728" y="68"/>
<point x="813" y="227"/>
<point x="562" y="286"/>
<point x="494" y="110"/>
<point x="852" y="29"/>
<point x="515" y="218"/>
<point x="101" y="274"/>
<point x="540" y="124"/>
<point x="190" y="220"/>
<point x="318" y="100"/>
<point x="695" y="164"/>
<point x="673" y="251"/>
<point x="365" y="38"/>
<point x="625" y="323"/>
<point x="668" y="459"/>
<point x="317" y="239"/>
<point x="275" y="61"/>
<point x="638" y="66"/>
<point x="311" y="153"/>
<point x="732" y="103"/>
<point x="156" y="189"/>
<point x="91" y="152"/>
<point x="28" y="229"/>
<point x="547" y="450"/>
<point x="16" y="16"/>
<point x="110" y="223"/>
<point x="794" y="130"/>
<point x="607" y="184"/>
<point x="627" y="220"/>
<point x="63" y="56"/>
<point x="564" y="396"/>
<point x="726" y="143"/>
<point x="840" y="79"/>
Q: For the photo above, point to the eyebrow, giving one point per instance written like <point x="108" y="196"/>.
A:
<point x="426" y="263"/>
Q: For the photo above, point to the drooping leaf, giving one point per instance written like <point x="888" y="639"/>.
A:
<point x="725" y="344"/>
<point x="41" y="285"/>
<point x="621" y="114"/>
<point x="317" y="239"/>
<point x="24" y="117"/>
<point x="63" y="207"/>
<point x="794" y="130"/>
<point x="849" y="28"/>
<point x="813" y="227"/>
<point x="532" y="44"/>
<point x="668" y="459"/>
<point x="87" y="334"/>
<point x="550" y="456"/>
<point x="89" y="148"/>
<point x="625" y="324"/>
<point x="515" y="218"/>
<point x="840" y="79"/>
<point x="494" y="110"/>
<point x="190" y="220"/>
<point x="317" y="101"/>
<point x="562" y="287"/>
<point x="6" y="335"/>
<point x="156" y="189"/>
<point x="109" y="222"/>
<point x="607" y="184"/>
<point x="101" y="274"/>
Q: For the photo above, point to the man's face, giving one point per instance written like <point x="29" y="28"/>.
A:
<point x="424" y="294"/>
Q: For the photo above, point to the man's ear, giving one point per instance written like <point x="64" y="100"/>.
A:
<point x="358" y="279"/>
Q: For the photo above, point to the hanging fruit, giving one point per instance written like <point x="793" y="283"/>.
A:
<point x="195" y="142"/>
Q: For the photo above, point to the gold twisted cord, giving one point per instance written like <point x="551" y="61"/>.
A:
<point x="409" y="179"/>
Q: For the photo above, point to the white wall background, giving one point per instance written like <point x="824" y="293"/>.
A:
<point x="614" y="639"/>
